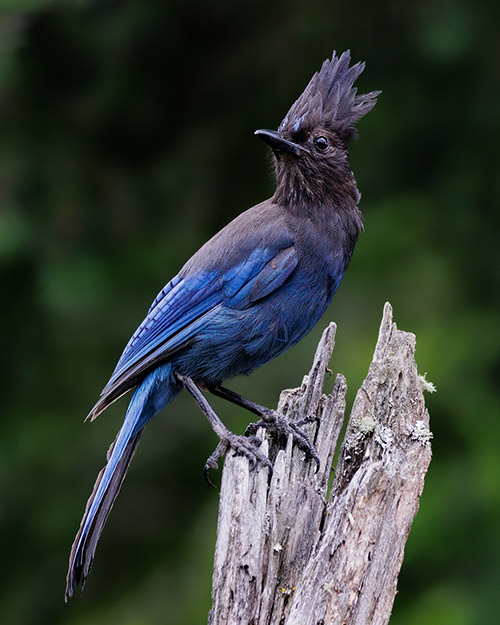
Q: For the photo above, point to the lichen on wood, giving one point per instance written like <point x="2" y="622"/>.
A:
<point x="292" y="551"/>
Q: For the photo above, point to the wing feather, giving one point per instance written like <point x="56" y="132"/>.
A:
<point x="184" y="307"/>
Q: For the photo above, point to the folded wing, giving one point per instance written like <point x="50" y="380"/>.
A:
<point x="184" y="306"/>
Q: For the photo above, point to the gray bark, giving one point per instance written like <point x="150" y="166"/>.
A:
<point x="294" y="550"/>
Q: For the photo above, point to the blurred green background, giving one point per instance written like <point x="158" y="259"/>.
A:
<point x="126" y="141"/>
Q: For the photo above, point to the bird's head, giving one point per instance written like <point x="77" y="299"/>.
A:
<point x="310" y="145"/>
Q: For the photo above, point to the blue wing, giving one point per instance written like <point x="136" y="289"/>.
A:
<point x="184" y="306"/>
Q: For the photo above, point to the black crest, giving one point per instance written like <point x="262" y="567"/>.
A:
<point x="330" y="100"/>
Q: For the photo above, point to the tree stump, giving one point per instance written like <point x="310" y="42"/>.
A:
<point x="300" y="548"/>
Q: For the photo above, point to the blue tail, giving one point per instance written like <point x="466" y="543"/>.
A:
<point x="153" y="394"/>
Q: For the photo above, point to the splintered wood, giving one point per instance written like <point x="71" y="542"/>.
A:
<point x="292" y="550"/>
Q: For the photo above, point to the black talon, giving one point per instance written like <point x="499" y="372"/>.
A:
<point x="317" y="462"/>
<point x="249" y="447"/>
<point x="242" y="445"/>
<point x="280" y="425"/>
<point x="305" y="444"/>
<point x="212" y="462"/>
<point x="206" y="476"/>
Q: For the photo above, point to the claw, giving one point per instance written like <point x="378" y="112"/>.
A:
<point x="206" y="476"/>
<point x="279" y="424"/>
<point x="212" y="463"/>
<point x="242" y="445"/>
<point x="270" y="420"/>
<point x="317" y="464"/>
<point x="305" y="444"/>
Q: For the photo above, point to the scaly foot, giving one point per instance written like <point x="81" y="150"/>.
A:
<point x="277" y="423"/>
<point x="247" y="446"/>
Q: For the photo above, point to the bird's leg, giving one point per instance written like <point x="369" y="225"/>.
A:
<point x="270" y="420"/>
<point x="243" y="402"/>
<point x="243" y="445"/>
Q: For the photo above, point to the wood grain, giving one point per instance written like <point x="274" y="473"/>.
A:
<point x="292" y="551"/>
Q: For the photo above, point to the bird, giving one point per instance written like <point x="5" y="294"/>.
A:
<point x="253" y="290"/>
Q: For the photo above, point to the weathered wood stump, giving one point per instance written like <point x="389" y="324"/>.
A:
<point x="303" y="549"/>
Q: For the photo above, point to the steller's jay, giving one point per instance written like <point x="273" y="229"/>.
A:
<point x="251" y="292"/>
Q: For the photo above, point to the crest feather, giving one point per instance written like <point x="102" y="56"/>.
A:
<point x="331" y="100"/>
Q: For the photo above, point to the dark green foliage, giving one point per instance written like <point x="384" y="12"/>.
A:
<point x="123" y="127"/>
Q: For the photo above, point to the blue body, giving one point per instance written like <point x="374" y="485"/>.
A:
<point x="250" y="293"/>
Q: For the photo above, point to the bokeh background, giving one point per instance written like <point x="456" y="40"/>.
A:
<point x="126" y="141"/>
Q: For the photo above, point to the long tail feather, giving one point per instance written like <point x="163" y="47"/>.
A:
<point x="155" y="392"/>
<point x="94" y="518"/>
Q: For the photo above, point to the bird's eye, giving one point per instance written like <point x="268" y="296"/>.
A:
<point x="321" y="143"/>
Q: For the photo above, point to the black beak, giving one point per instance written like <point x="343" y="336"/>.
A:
<point x="278" y="144"/>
